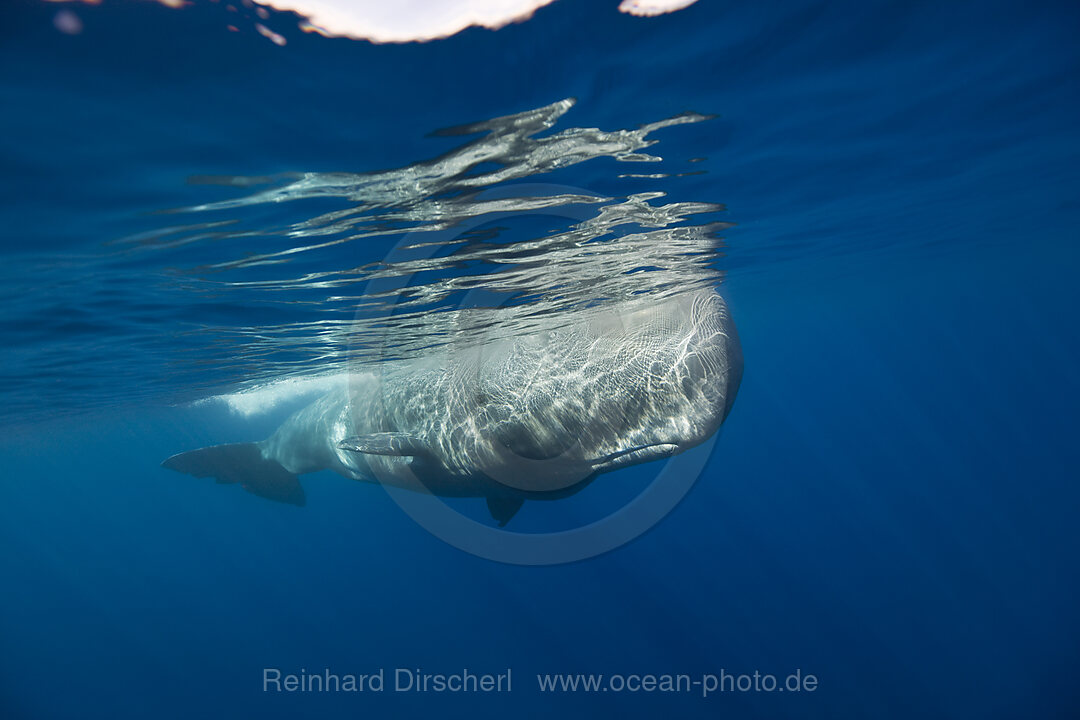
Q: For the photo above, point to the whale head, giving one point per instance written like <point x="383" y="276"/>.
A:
<point x="629" y="384"/>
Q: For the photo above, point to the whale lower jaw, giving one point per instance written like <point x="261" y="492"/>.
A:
<point x="636" y="456"/>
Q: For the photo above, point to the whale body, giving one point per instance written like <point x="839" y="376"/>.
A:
<point x="527" y="417"/>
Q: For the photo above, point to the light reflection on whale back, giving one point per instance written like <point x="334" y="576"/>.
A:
<point x="542" y="412"/>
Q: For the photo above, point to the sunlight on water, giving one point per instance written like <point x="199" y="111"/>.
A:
<point x="291" y="277"/>
<point x="450" y="220"/>
<point x="386" y="22"/>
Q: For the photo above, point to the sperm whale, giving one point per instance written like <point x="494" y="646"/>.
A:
<point x="527" y="417"/>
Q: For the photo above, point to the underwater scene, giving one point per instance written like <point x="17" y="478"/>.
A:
<point x="534" y="358"/>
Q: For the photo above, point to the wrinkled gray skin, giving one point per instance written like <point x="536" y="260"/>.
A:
<point x="534" y="417"/>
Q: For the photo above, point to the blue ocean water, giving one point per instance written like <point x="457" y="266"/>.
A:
<point x="891" y="506"/>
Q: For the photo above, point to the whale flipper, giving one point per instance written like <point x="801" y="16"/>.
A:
<point x="244" y="464"/>
<point x="387" y="443"/>
<point x="502" y="509"/>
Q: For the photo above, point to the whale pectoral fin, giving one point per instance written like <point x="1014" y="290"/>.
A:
<point x="242" y="464"/>
<point x="388" y="443"/>
<point x="502" y="509"/>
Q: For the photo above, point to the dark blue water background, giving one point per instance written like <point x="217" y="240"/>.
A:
<point x="892" y="505"/>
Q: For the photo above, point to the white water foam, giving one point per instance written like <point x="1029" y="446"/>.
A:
<point x="265" y="397"/>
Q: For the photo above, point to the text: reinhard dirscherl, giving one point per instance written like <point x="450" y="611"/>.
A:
<point x="397" y="680"/>
<point x="465" y="680"/>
